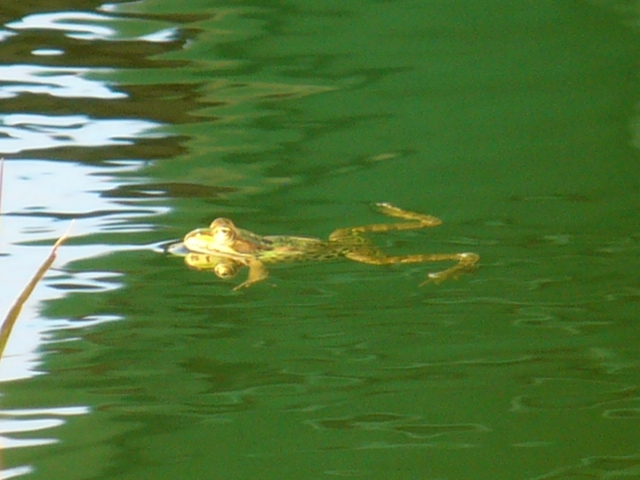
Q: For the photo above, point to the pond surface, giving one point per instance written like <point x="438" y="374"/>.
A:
<point x="514" y="122"/>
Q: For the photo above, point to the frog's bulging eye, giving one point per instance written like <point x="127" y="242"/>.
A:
<point x="223" y="235"/>
<point x="224" y="270"/>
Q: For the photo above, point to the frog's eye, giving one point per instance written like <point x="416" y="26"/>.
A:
<point x="223" y="234"/>
<point x="224" y="270"/>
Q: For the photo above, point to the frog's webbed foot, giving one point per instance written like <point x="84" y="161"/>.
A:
<point x="466" y="263"/>
<point x="257" y="273"/>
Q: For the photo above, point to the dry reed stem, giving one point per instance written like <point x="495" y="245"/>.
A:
<point x="14" y="311"/>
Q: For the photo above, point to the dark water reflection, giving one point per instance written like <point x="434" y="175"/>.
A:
<point x="143" y="120"/>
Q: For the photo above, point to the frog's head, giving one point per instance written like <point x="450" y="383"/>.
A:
<point x="220" y="237"/>
<point x="224" y="238"/>
<point x="223" y="232"/>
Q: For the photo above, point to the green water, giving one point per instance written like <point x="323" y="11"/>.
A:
<point x="515" y="122"/>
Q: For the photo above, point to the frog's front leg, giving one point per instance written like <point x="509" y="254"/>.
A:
<point x="466" y="262"/>
<point x="257" y="273"/>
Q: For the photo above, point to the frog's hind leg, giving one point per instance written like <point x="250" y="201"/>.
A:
<point x="418" y="220"/>
<point x="466" y="262"/>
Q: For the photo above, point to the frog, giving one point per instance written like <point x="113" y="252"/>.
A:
<point x="224" y="248"/>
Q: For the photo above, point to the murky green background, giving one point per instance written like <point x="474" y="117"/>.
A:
<point x="514" y="121"/>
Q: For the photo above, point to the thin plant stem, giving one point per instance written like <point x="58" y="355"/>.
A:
<point x="14" y="311"/>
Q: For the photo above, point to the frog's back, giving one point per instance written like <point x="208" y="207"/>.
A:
<point x="284" y="248"/>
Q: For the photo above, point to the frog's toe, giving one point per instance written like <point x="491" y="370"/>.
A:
<point x="242" y="285"/>
<point x="388" y="208"/>
<point x="387" y="205"/>
<point x="436" y="278"/>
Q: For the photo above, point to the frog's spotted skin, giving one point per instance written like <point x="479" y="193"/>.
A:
<point x="224" y="248"/>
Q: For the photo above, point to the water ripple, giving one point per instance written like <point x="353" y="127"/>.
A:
<point x="67" y="82"/>
<point x="92" y="26"/>
<point x="21" y="132"/>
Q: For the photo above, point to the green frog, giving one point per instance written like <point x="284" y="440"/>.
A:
<point x="225" y="249"/>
